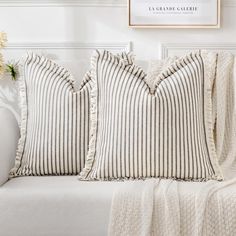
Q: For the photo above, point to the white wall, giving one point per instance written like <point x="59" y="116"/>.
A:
<point x="71" y="29"/>
<point x="84" y="21"/>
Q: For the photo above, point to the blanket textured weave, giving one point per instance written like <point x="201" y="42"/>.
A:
<point x="173" y="208"/>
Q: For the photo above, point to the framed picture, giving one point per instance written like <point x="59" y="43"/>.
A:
<point x="174" y="13"/>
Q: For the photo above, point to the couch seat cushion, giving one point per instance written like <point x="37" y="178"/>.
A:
<point x="61" y="206"/>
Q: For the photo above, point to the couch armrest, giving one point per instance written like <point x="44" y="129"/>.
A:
<point x="9" y="135"/>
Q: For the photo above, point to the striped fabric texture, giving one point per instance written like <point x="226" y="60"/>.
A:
<point x="140" y="133"/>
<point x="55" y="120"/>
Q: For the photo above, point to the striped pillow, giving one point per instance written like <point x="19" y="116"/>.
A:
<point x="55" y="120"/>
<point x="136" y="133"/>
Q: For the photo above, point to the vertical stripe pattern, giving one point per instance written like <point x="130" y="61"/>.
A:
<point x="55" y="121"/>
<point x="139" y="133"/>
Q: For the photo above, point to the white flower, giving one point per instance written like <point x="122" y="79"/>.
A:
<point x="3" y="39"/>
<point x="2" y="66"/>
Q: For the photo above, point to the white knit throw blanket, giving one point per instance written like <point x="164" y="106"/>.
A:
<point x="172" y="208"/>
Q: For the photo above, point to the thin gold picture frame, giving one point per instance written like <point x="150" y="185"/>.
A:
<point x="178" y="26"/>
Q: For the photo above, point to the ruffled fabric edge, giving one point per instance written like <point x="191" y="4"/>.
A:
<point x="47" y="64"/>
<point x="127" y="57"/>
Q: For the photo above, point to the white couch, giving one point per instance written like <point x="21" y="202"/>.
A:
<point x="48" y="206"/>
<point x="62" y="205"/>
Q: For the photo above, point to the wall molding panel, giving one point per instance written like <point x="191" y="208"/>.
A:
<point x="76" y="53"/>
<point x="229" y="3"/>
<point x="79" y="3"/>
<point x="126" y="46"/>
<point x="75" y="56"/>
<point x="167" y="49"/>
<point x="63" y="3"/>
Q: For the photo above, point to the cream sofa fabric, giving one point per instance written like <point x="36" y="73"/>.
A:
<point x="9" y="134"/>
<point x="60" y="206"/>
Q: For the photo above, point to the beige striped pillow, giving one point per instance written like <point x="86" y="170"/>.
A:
<point x="140" y="133"/>
<point x="55" y="120"/>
